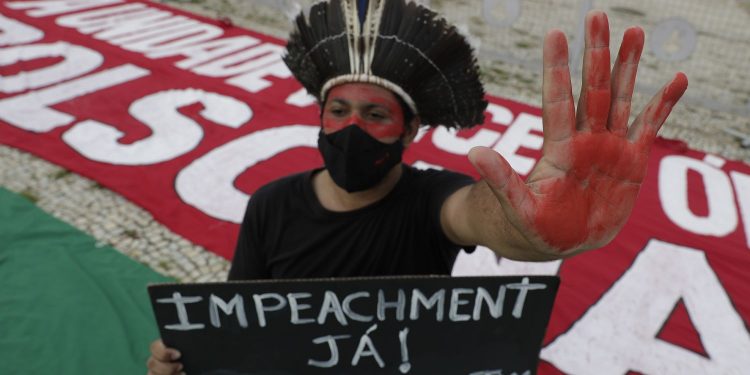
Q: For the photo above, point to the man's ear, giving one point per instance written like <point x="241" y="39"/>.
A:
<point x="411" y="131"/>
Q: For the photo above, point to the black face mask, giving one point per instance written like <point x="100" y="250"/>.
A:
<point x="355" y="160"/>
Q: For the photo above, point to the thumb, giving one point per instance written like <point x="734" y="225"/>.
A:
<point x="500" y="176"/>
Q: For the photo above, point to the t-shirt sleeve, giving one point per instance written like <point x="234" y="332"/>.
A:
<point x="441" y="185"/>
<point x="248" y="262"/>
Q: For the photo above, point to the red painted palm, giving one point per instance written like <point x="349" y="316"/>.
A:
<point x="583" y="189"/>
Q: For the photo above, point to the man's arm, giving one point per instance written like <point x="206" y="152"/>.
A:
<point x="584" y="187"/>
<point x="248" y="261"/>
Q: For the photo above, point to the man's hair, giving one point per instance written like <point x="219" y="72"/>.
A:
<point x="408" y="113"/>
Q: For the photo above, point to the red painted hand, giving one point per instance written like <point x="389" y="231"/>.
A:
<point x="584" y="187"/>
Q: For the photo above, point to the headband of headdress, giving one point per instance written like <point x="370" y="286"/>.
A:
<point x="401" y="46"/>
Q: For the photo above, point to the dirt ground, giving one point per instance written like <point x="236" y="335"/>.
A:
<point x="715" y="110"/>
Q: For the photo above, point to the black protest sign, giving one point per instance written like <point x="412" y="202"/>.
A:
<point x="385" y="325"/>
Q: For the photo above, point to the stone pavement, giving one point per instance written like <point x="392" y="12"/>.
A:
<point x="108" y="217"/>
<point x="113" y="220"/>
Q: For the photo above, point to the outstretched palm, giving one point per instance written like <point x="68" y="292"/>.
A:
<point x="583" y="189"/>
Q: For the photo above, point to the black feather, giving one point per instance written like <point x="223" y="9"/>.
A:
<point x="415" y="49"/>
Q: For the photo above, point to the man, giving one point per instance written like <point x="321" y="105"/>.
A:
<point x="365" y="213"/>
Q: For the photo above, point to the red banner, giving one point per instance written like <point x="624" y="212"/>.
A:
<point x="186" y="117"/>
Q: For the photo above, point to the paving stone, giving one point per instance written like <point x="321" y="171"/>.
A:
<point x="112" y="219"/>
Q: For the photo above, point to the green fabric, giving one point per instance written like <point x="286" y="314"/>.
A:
<point x="68" y="306"/>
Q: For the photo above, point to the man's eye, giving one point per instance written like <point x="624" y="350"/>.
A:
<point x="378" y="116"/>
<point x="337" y="111"/>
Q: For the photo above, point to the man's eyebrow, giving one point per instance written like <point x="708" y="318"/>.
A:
<point x="339" y="101"/>
<point x="377" y="106"/>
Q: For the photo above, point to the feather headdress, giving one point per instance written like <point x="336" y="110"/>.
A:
<point x="401" y="46"/>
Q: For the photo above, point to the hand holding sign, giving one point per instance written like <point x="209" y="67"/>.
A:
<point x="583" y="189"/>
<point x="163" y="360"/>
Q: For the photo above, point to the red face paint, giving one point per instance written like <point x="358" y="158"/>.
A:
<point x="372" y="108"/>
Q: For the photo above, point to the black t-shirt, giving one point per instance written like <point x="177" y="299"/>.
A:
<point x="286" y="233"/>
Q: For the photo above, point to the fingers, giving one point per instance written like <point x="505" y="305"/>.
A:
<point x="163" y="368"/>
<point x="623" y="79"/>
<point x="500" y="176"/>
<point x="162" y="352"/>
<point x="594" y="102"/>
<point x="558" y="111"/>
<point x="650" y="120"/>
<point x="162" y="360"/>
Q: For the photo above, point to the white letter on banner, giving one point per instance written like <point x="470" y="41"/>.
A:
<point x="619" y="332"/>
<point x="173" y="134"/>
<point x="77" y="61"/>
<point x="301" y="98"/>
<point x="174" y="25"/>
<point x="200" y="53"/>
<point x="255" y="81"/>
<point x="446" y="139"/>
<point x="31" y="111"/>
<point x="673" y="194"/>
<point x="742" y="187"/>
<point x="102" y="19"/>
<point x="207" y="183"/>
<point x="242" y="62"/>
<point x="53" y="7"/>
<point x="178" y="37"/>
<point x="500" y="114"/>
<point x="133" y="25"/>
<point x="204" y="33"/>
<point x="484" y="261"/>
<point x="13" y="32"/>
<point x="519" y="135"/>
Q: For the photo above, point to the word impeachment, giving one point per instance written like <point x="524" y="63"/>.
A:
<point x="452" y="304"/>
